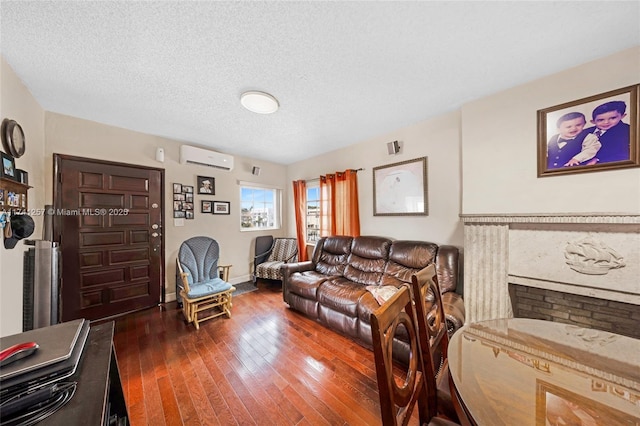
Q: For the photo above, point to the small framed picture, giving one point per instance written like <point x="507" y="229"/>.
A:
<point x="177" y="188"/>
<point x="8" y="169"/>
<point x="179" y="197"/>
<point x="12" y="199"/>
<point x="187" y="188"/>
<point x="179" y="213"/>
<point x="206" y="206"/>
<point x="206" y="185"/>
<point x="177" y="205"/>
<point x="188" y="197"/>
<point x="187" y="206"/>
<point x="221" y="207"/>
<point x="22" y="176"/>
<point x="189" y="214"/>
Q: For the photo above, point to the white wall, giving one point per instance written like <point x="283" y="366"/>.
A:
<point x="16" y="103"/>
<point x="499" y="147"/>
<point x="439" y="140"/>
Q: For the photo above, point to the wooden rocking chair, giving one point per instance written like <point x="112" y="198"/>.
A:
<point x="202" y="287"/>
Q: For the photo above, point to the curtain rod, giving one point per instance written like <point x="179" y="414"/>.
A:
<point x="314" y="179"/>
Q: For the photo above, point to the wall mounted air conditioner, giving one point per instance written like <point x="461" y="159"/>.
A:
<point x="204" y="157"/>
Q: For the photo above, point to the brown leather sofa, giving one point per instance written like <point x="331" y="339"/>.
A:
<point x="331" y="287"/>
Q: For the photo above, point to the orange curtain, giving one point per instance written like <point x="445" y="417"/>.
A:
<point x="300" y="206"/>
<point x="339" y="210"/>
<point x="347" y="216"/>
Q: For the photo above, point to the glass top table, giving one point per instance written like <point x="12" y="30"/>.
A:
<point x="530" y="372"/>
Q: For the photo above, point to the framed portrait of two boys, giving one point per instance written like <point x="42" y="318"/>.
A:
<point x="596" y="133"/>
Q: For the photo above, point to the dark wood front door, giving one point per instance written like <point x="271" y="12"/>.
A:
<point x="108" y="221"/>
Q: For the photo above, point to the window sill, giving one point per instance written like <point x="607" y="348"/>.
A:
<point x="259" y="229"/>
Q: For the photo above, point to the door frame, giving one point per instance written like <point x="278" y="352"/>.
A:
<point x="57" y="190"/>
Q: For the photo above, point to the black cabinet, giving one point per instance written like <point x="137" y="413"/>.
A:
<point x="99" y="399"/>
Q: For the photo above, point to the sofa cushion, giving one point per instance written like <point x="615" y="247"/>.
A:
<point x="306" y="283"/>
<point x="405" y="259"/>
<point x="342" y="295"/>
<point x="371" y="247"/>
<point x="331" y="254"/>
<point x="367" y="260"/>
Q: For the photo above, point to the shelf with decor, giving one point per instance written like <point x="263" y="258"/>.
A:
<point x="13" y="195"/>
<point x="14" y="183"/>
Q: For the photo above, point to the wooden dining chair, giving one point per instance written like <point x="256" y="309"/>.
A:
<point x="433" y="340"/>
<point x="398" y="401"/>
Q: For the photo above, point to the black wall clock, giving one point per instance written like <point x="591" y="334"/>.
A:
<point x="13" y="138"/>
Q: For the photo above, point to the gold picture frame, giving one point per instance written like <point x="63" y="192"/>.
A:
<point x="592" y="134"/>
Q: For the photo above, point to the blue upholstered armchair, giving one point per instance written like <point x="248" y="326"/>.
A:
<point x="203" y="283"/>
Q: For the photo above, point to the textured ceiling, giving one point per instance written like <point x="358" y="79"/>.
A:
<point x="343" y="72"/>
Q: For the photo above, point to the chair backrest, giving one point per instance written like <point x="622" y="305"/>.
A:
<point x="284" y="249"/>
<point x="262" y="248"/>
<point x="432" y="328"/>
<point x="199" y="256"/>
<point x="397" y="316"/>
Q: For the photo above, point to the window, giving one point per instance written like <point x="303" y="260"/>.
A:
<point x="313" y="212"/>
<point x="259" y="208"/>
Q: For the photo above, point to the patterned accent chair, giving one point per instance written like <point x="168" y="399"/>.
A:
<point x="201" y="288"/>
<point x="283" y="250"/>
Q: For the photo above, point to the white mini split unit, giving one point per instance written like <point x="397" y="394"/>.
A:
<point x="204" y="157"/>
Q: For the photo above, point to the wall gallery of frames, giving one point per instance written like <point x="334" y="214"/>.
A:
<point x="183" y="199"/>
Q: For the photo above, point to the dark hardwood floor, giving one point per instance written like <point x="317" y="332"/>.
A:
<point x="265" y="365"/>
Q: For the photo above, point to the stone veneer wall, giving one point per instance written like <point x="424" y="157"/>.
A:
<point x="530" y="250"/>
<point x="583" y="311"/>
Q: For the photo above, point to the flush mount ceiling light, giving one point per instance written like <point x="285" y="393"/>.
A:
<point x="259" y="102"/>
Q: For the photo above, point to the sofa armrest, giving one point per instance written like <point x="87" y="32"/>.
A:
<point x="290" y="268"/>
<point x="448" y="268"/>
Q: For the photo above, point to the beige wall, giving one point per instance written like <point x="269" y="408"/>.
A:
<point x="499" y="147"/>
<point x="492" y="139"/>
<point x="438" y="139"/>
<point x="74" y="136"/>
<point x="16" y="103"/>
